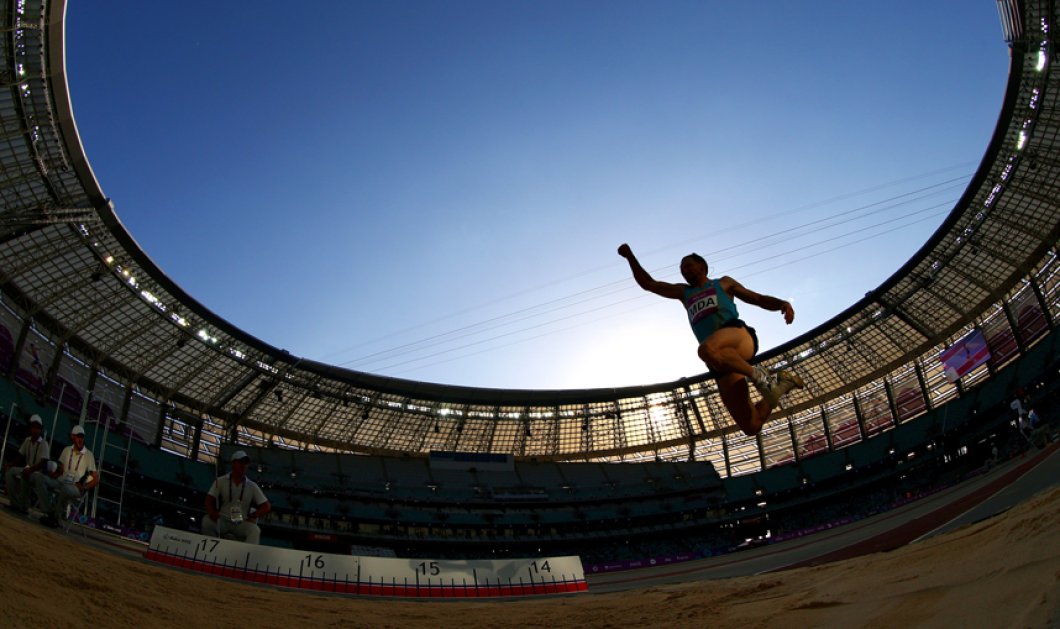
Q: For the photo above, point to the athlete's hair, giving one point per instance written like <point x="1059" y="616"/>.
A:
<point x="699" y="258"/>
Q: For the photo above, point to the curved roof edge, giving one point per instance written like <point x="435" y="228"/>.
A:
<point x="993" y="149"/>
<point x="387" y="384"/>
<point x="446" y="392"/>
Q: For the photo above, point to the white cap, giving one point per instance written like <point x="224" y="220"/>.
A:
<point x="77" y="430"/>
<point x="239" y="455"/>
<point x="35" y="419"/>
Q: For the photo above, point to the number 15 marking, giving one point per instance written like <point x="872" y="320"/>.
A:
<point x="426" y="568"/>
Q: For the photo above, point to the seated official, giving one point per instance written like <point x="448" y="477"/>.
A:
<point x="32" y="456"/>
<point x="74" y="474"/>
<point x="235" y="503"/>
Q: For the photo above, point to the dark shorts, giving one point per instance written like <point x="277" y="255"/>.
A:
<point x="739" y="323"/>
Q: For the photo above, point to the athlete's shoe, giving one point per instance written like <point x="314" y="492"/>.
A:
<point x="786" y="381"/>
<point x="764" y="382"/>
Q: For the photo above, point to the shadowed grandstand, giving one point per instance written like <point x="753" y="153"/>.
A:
<point x="90" y="325"/>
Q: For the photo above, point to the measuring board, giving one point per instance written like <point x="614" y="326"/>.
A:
<point x="368" y="576"/>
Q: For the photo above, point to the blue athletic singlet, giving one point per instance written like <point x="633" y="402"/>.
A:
<point x="709" y="308"/>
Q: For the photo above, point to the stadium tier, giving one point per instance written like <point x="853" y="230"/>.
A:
<point x="90" y="326"/>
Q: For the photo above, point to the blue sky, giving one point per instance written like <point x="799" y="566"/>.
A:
<point x="435" y="190"/>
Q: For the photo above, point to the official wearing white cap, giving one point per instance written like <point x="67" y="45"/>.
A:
<point x="75" y="475"/>
<point x="235" y="503"/>
<point x="33" y="454"/>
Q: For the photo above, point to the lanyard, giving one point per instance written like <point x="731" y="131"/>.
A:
<point x="241" y="490"/>
<point x="74" y="468"/>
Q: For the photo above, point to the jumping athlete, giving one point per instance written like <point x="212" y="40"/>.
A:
<point x="726" y="344"/>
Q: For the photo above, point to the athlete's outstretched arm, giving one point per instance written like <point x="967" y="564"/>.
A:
<point x="646" y="281"/>
<point x="765" y="302"/>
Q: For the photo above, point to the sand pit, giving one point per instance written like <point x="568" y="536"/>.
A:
<point x="1002" y="572"/>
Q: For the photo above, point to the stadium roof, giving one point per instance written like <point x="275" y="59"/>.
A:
<point x="74" y="276"/>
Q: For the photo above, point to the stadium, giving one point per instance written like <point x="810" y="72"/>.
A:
<point x="92" y="332"/>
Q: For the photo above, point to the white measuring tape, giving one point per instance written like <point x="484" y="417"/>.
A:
<point x="368" y="576"/>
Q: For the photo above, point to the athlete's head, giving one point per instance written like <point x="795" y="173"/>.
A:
<point x="693" y="268"/>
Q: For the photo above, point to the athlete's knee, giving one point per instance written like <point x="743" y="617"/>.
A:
<point x="710" y="352"/>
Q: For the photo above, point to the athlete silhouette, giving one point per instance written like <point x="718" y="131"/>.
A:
<point x="726" y="344"/>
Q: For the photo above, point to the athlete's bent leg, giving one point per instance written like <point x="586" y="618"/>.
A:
<point x="734" y="394"/>
<point x="727" y="353"/>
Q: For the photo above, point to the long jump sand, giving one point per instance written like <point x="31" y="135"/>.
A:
<point x="1002" y="572"/>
